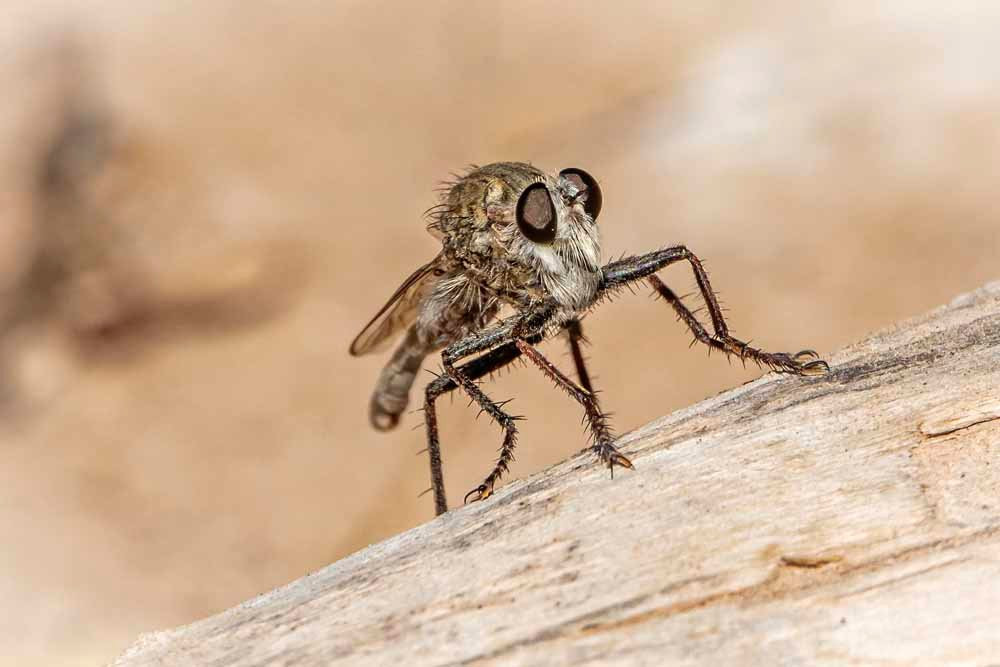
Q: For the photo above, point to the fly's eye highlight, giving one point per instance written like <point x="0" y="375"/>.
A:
<point x="589" y="192"/>
<point x="536" y="214"/>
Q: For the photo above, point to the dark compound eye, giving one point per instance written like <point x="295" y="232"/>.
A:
<point x="536" y="214"/>
<point x="590" y="191"/>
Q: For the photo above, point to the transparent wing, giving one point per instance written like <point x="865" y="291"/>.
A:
<point x="398" y="313"/>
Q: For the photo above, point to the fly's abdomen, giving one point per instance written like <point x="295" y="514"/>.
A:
<point x="392" y="391"/>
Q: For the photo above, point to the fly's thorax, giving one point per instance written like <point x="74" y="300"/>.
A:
<point x="457" y="306"/>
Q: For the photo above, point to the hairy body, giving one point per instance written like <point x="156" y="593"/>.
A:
<point x="512" y="235"/>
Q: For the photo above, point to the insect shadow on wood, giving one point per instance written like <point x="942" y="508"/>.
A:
<point x="514" y="236"/>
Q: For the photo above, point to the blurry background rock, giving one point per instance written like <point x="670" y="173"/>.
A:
<point x="203" y="202"/>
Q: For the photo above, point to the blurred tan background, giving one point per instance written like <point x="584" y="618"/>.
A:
<point x="202" y="203"/>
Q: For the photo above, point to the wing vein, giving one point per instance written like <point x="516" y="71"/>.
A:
<point x="398" y="312"/>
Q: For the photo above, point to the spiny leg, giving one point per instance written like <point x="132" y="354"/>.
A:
<point x="630" y="269"/>
<point x="576" y="337"/>
<point x="434" y="448"/>
<point x="805" y="362"/>
<point x="603" y="440"/>
<point x="506" y="421"/>
<point x="496" y="337"/>
<point x="475" y="369"/>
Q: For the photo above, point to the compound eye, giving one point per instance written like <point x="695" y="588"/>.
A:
<point x="536" y="214"/>
<point x="588" y="189"/>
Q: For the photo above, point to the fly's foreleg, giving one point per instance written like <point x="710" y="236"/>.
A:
<point x="631" y="269"/>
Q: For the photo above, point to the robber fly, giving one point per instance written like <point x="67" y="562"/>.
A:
<point x="514" y="236"/>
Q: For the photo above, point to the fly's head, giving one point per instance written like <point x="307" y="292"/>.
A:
<point x="536" y="231"/>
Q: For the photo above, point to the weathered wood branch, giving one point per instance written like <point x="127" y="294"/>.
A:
<point x="847" y="519"/>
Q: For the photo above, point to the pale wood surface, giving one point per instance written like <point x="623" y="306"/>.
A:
<point x="848" y="519"/>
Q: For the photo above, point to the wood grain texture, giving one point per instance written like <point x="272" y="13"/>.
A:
<point x="847" y="519"/>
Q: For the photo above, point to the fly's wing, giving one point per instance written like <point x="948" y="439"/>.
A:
<point x="398" y="313"/>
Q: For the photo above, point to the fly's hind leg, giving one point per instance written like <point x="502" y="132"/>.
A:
<point x="497" y="414"/>
<point x="499" y="347"/>
<point x="473" y="370"/>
